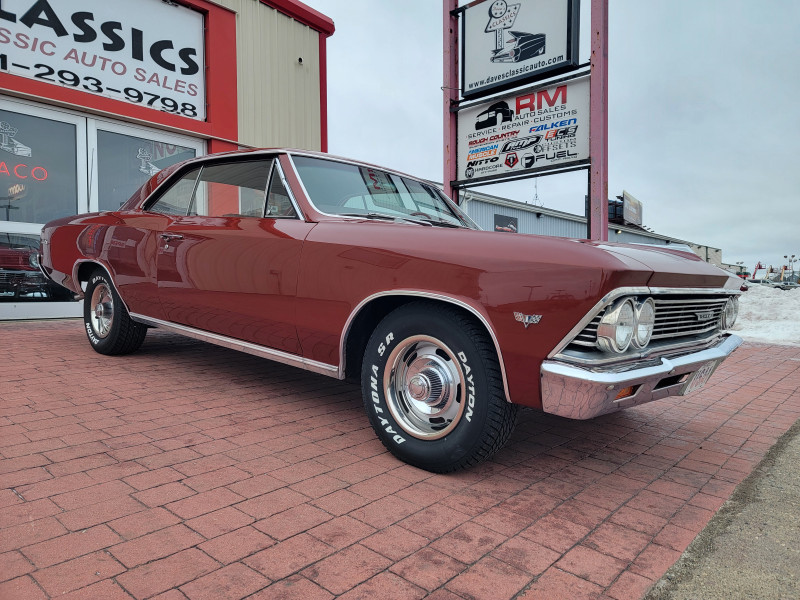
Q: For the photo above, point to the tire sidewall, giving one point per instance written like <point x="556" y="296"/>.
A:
<point x="437" y="454"/>
<point x="98" y="343"/>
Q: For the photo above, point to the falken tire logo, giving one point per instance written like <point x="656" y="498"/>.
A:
<point x="527" y="319"/>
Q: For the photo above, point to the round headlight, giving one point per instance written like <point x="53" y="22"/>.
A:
<point x="616" y="328"/>
<point x="33" y="260"/>
<point x="730" y="313"/>
<point x="645" y="322"/>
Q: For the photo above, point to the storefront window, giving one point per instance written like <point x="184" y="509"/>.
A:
<point x="125" y="162"/>
<point x="38" y="174"/>
<point x="20" y="278"/>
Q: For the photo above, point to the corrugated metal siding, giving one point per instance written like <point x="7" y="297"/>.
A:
<point x="483" y="214"/>
<point x="278" y="96"/>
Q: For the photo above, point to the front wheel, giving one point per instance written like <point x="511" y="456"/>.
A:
<point x="108" y="326"/>
<point x="433" y="390"/>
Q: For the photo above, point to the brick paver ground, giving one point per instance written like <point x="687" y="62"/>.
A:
<point x="190" y="471"/>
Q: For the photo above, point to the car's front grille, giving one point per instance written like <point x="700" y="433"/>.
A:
<point x="689" y="316"/>
<point x="676" y="317"/>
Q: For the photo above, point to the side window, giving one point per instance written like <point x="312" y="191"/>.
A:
<point x="278" y="202"/>
<point x="176" y="200"/>
<point x="232" y="189"/>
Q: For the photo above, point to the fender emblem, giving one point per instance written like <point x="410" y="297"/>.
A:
<point x="527" y="319"/>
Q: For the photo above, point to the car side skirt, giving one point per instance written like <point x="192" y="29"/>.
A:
<point x="234" y="344"/>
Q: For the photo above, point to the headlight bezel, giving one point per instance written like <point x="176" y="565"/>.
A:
<point x="648" y="306"/>
<point x="729" y="313"/>
<point x="608" y="328"/>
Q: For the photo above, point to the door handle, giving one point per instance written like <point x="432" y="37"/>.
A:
<point x="168" y="237"/>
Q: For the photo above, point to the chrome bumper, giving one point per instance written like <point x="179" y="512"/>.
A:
<point x="577" y="393"/>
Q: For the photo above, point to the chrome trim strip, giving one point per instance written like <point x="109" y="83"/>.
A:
<point x="576" y="393"/>
<point x="616" y="293"/>
<point x="277" y="165"/>
<point x="234" y="344"/>
<point x="419" y="294"/>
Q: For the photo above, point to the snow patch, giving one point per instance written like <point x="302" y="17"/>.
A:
<point x="769" y="315"/>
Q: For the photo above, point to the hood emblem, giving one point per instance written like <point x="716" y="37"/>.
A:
<point x="527" y="319"/>
<point x="704" y="316"/>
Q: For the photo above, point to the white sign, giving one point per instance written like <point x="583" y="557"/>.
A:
<point x="509" y="43"/>
<point x="531" y="131"/>
<point x="147" y="52"/>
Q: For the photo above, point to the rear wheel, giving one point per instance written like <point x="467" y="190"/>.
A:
<point x="108" y="326"/>
<point x="433" y="390"/>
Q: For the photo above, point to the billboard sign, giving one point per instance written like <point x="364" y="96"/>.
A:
<point x="531" y="131"/>
<point x="148" y="52"/>
<point x="507" y="224"/>
<point x="631" y="209"/>
<point x="508" y="43"/>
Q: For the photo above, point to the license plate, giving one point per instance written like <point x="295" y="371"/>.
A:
<point x="699" y="378"/>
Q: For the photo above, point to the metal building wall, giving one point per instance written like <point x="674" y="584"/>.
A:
<point x="548" y="222"/>
<point x="279" y="97"/>
<point x="483" y="214"/>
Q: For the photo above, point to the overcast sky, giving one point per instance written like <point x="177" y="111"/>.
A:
<point x="704" y="118"/>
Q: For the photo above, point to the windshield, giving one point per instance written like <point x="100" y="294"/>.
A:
<point x="337" y="188"/>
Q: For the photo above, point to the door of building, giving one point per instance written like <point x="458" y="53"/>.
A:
<point x="56" y="163"/>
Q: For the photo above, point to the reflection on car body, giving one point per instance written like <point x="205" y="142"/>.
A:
<point x="358" y="272"/>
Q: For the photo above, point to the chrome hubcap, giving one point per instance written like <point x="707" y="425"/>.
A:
<point x="102" y="310"/>
<point x="424" y="387"/>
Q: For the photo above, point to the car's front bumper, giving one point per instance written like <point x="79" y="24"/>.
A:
<point x="577" y="393"/>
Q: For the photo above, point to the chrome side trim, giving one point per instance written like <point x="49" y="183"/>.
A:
<point x="281" y="175"/>
<point x="624" y="291"/>
<point x="431" y="296"/>
<point x="234" y="344"/>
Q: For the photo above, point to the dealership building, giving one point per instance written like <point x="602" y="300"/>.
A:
<point x="494" y="213"/>
<point x="98" y="95"/>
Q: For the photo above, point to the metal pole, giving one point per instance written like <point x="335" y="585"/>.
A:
<point x="598" y="124"/>
<point x="450" y="94"/>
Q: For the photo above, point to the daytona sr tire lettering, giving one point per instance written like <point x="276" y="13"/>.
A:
<point x="432" y="388"/>
<point x="108" y="326"/>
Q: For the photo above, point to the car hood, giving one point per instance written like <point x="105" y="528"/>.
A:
<point x="671" y="267"/>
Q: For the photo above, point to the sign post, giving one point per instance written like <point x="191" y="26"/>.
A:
<point x="450" y="93"/>
<point x="597" y="215"/>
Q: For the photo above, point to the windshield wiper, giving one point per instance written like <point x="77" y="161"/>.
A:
<point x="381" y="216"/>
<point x="438" y="223"/>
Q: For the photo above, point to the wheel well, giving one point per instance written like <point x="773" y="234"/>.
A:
<point x="86" y="268"/>
<point x="373" y="313"/>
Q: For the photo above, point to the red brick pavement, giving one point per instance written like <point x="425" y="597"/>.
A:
<point x="190" y="471"/>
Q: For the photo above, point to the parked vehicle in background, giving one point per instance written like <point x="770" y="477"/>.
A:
<point x="20" y="277"/>
<point x="355" y="271"/>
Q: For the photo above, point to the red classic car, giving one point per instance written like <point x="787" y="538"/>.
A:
<point x="354" y="271"/>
